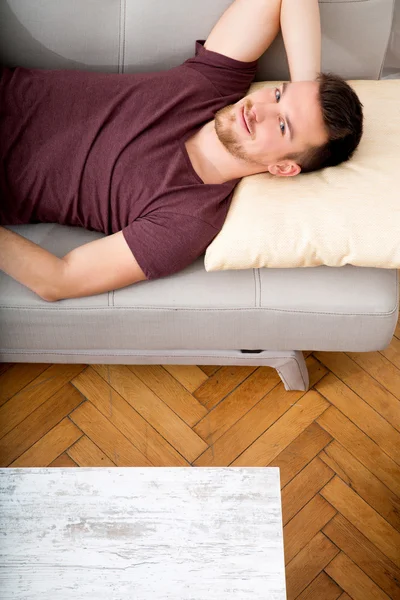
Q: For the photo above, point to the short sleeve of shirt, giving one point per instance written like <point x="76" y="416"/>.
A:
<point x="226" y="74"/>
<point x="164" y="243"/>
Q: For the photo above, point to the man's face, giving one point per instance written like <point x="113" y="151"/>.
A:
<point x="281" y="120"/>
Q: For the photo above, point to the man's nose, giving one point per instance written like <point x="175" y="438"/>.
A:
<point x="264" y="111"/>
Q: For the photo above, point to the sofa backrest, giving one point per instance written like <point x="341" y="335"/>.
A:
<point x="152" y="35"/>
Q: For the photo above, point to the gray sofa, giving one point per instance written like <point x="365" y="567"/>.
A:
<point x="249" y="317"/>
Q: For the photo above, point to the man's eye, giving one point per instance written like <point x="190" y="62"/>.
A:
<point x="282" y="127"/>
<point x="276" y="90"/>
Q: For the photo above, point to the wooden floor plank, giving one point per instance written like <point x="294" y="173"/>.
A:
<point x="254" y="423"/>
<point x="366" y="519"/>
<point x="308" y="563"/>
<point x="209" y="369"/>
<point x="362" y="481"/>
<point x="303" y="488"/>
<point x="392" y="352"/>
<point x="305" y="525"/>
<point x="40" y="422"/>
<point x="353" y="580"/>
<point x="361" y="447"/>
<point x="152" y="409"/>
<point x="380" y="368"/>
<point x="322" y="588"/>
<point x="16" y="377"/>
<point x="171" y="392"/>
<point x="363" y="384"/>
<point x="283" y="431"/>
<point x="50" y="446"/>
<point x="63" y="461"/>
<point x="364" y="554"/>
<point x="300" y="452"/>
<point x="5" y="366"/>
<point x="130" y="423"/>
<point x="361" y="414"/>
<point x="43" y="387"/>
<point x="223" y="382"/>
<point x="190" y="376"/>
<point x="246" y="430"/>
<point x="86" y="454"/>
<point x="107" y="437"/>
<point x="237" y="404"/>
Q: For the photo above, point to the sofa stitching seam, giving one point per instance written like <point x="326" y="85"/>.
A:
<point x="158" y="308"/>
<point x="260" y="286"/>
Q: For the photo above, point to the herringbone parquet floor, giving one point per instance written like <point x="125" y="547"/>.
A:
<point x="337" y="446"/>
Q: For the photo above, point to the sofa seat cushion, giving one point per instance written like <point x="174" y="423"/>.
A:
<point x="321" y="308"/>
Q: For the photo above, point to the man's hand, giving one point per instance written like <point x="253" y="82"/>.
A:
<point x="301" y="32"/>
<point x="100" y="266"/>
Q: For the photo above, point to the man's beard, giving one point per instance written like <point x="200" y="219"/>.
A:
<point x="224" y="128"/>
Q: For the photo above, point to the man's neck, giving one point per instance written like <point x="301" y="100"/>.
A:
<point x="212" y="161"/>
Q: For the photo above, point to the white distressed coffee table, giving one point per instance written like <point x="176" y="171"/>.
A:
<point x="141" y="534"/>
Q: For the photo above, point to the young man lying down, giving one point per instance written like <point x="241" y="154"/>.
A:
<point x="152" y="159"/>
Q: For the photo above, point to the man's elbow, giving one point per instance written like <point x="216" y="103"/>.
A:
<point x="49" y="296"/>
<point x="51" y="291"/>
<point x="49" y="299"/>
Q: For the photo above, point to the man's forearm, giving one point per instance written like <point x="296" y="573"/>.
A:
<point x="301" y="32"/>
<point x="30" y="264"/>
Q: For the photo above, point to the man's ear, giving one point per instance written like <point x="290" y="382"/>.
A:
<point x="284" y="169"/>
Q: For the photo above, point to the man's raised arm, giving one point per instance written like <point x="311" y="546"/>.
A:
<point x="301" y="33"/>
<point x="248" y="27"/>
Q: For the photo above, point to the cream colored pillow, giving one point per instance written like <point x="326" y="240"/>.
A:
<point x="348" y="214"/>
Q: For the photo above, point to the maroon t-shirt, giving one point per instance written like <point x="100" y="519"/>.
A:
<point x="106" y="152"/>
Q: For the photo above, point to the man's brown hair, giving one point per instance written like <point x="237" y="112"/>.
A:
<point x="343" y="118"/>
